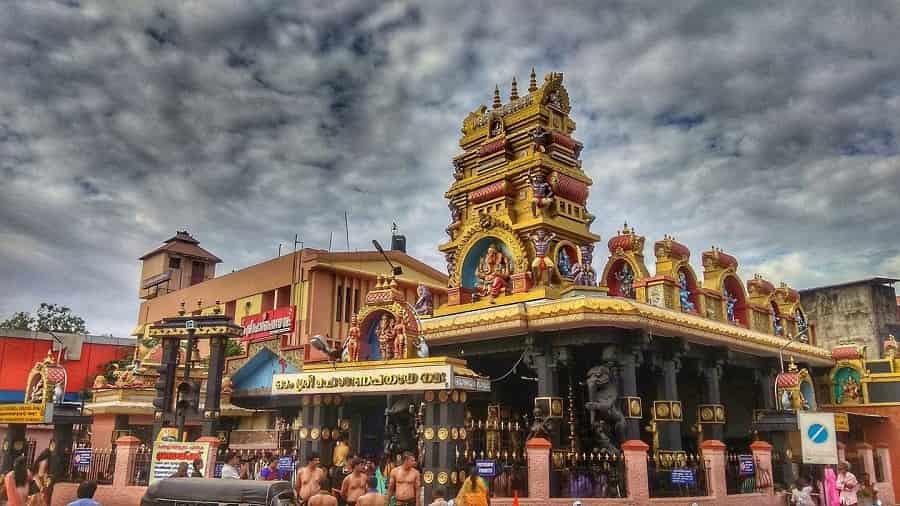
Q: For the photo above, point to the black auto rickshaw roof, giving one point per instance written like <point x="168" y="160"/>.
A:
<point x="211" y="490"/>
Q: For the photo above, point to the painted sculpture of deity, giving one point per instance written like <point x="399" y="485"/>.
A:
<point x="399" y="332"/>
<point x="583" y="272"/>
<point x="542" y="198"/>
<point x="450" y="258"/>
<point x="353" y="340"/>
<point x="852" y="391"/>
<point x="778" y="327"/>
<point x="493" y="272"/>
<point x="684" y="293"/>
<point x="625" y="277"/>
<point x="564" y="263"/>
<point x="542" y="265"/>
<point x="425" y="302"/>
<point x="730" y="303"/>
<point x="385" y="334"/>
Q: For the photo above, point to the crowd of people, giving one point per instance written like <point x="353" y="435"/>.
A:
<point x="836" y="489"/>
<point x="358" y="482"/>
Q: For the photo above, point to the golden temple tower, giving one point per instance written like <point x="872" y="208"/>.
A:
<point x="518" y="216"/>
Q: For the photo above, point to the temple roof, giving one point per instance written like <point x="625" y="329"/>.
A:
<point x="183" y="243"/>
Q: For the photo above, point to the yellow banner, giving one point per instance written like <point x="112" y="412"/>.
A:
<point x="22" y="413"/>
<point x="841" y="422"/>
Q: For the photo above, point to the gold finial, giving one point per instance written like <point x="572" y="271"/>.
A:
<point x="792" y="366"/>
<point x="181" y="311"/>
<point x="394" y="284"/>
<point x="218" y="308"/>
<point x="514" y="94"/>
<point x="199" y="304"/>
<point x="379" y="282"/>
<point x="497" y="102"/>
<point x="532" y="84"/>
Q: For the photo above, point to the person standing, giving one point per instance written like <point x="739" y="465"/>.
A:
<point x="405" y="482"/>
<point x="230" y="468"/>
<point x="16" y="483"/>
<point x="473" y="491"/>
<point x="86" y="491"/>
<point x="354" y="484"/>
<point x="382" y="472"/>
<point x="39" y="486"/>
<point x="847" y="485"/>
<point x="310" y="479"/>
<point x="270" y="472"/>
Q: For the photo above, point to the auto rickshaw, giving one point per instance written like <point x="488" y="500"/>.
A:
<point x="216" y="492"/>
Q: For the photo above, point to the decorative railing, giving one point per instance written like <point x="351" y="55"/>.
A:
<point x="677" y="474"/>
<point x="741" y="473"/>
<point x="139" y="474"/>
<point x="589" y="475"/>
<point x="86" y="464"/>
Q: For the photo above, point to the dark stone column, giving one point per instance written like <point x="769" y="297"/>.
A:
<point x="165" y="386"/>
<point x="628" y="385"/>
<point x="214" y="386"/>
<point x="60" y="451"/>
<point x="319" y="413"/>
<point x="765" y="380"/>
<point x="712" y="413"/>
<point x="13" y="444"/>
<point x="668" y="412"/>
<point x="443" y="432"/>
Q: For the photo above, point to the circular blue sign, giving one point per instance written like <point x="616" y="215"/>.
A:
<point x="817" y="433"/>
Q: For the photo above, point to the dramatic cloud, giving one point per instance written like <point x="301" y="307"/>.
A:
<point x="768" y="130"/>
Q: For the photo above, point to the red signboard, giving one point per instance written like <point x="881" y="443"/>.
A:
<point x="268" y="324"/>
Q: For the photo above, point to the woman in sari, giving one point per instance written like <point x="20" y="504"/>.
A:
<point x="473" y="491"/>
<point x="15" y="483"/>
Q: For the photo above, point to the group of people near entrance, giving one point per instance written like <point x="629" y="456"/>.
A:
<point x="361" y="487"/>
<point x="31" y="487"/>
<point x="841" y="489"/>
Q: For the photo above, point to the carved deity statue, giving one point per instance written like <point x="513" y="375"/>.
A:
<point x="625" y="277"/>
<point x="385" y="337"/>
<point x="564" y="263"/>
<point x="600" y="437"/>
<point x="353" y="340"/>
<point x="851" y="390"/>
<point x="450" y="258"/>
<point x="684" y="293"/>
<point x="400" y="335"/>
<point x="542" y="193"/>
<point x="455" y="219"/>
<point x="493" y="272"/>
<point x="730" y="303"/>
<point x="425" y="302"/>
<point x="542" y="268"/>
<point x="540" y="427"/>
<point x="602" y="394"/>
<point x="583" y="272"/>
<point x="777" y="326"/>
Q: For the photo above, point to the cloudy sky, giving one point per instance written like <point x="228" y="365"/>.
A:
<point x="770" y="129"/>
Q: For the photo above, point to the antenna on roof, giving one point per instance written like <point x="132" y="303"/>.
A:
<point x="297" y="241"/>
<point x="279" y="250"/>
<point x="347" y="229"/>
<point x="330" y="240"/>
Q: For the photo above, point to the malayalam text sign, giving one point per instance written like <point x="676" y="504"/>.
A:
<point x="818" y="441"/>
<point x="168" y="455"/>
<point x="268" y="323"/>
<point x="397" y="379"/>
<point x="24" y="413"/>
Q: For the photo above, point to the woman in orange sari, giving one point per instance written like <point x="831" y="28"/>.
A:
<point x="473" y="492"/>
<point x="15" y="483"/>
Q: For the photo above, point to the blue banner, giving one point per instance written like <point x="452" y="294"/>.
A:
<point x="682" y="477"/>
<point x="747" y="466"/>
<point x="82" y="459"/>
<point x="486" y="468"/>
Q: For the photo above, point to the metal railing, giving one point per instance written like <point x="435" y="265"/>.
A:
<point x="677" y="474"/>
<point x="99" y="467"/>
<point x="590" y="475"/>
<point x="741" y="473"/>
<point x="139" y="474"/>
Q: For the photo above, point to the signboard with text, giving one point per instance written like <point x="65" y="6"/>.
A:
<point x="486" y="468"/>
<point x="26" y="413"/>
<point x="82" y="459"/>
<point x="168" y="455"/>
<point x="274" y="322"/>
<point x="747" y="465"/>
<point x="818" y="438"/>
<point x="398" y="379"/>
<point x="682" y="477"/>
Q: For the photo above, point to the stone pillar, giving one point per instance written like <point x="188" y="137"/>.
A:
<point x="213" y="386"/>
<point x="444" y="429"/>
<point x="885" y="453"/>
<point x="765" y="379"/>
<point x="60" y="451"/>
<point x="714" y="459"/>
<point x="209" y="467"/>
<point x="667" y="410"/>
<point x="866" y="454"/>
<point x="13" y="445"/>
<point x="762" y="458"/>
<point x="635" y="454"/>
<point x="842" y="452"/>
<point x="631" y="405"/>
<point x="712" y="412"/>
<point x="126" y="449"/>
<point x="537" y="451"/>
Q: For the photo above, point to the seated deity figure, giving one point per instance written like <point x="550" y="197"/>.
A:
<point x="851" y="390"/>
<point x="385" y="337"/>
<point x="626" y="281"/>
<point x="684" y="291"/>
<point x="493" y="273"/>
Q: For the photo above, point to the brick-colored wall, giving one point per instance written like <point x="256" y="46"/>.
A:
<point x="64" y="493"/>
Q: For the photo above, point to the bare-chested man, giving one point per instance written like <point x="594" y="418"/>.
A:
<point x="354" y="484"/>
<point x="311" y="475"/>
<point x="322" y="497"/>
<point x="405" y="482"/>
<point x="372" y="497"/>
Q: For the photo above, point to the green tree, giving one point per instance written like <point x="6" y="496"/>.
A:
<point x="49" y="318"/>
<point x="19" y="321"/>
<point x="233" y="347"/>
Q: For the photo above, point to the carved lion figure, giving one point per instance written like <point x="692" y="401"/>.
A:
<point x="602" y="396"/>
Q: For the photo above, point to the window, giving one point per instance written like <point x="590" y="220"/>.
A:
<point x="356" y="300"/>
<point x="340" y="304"/>
<point x="348" y="307"/>
<point x="174" y="263"/>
